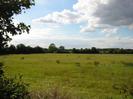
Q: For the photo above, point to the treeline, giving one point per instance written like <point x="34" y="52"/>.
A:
<point x="23" y="49"/>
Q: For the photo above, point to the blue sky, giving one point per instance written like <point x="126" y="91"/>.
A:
<point x="78" y="23"/>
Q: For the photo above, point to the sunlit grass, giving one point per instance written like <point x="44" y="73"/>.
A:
<point x="83" y="75"/>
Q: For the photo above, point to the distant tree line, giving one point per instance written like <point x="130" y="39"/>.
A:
<point x="23" y="49"/>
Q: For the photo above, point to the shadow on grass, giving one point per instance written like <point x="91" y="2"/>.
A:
<point x="127" y="63"/>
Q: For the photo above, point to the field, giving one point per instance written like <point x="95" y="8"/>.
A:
<point x="88" y="76"/>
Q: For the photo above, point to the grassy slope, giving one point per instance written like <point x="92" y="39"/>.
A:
<point x="92" y="75"/>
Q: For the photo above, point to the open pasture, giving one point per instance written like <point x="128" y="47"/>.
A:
<point x="84" y="75"/>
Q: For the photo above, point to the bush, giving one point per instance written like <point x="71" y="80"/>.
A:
<point x="96" y="63"/>
<point x="12" y="88"/>
<point x="22" y="58"/>
<point x="58" y="61"/>
<point x="1" y="70"/>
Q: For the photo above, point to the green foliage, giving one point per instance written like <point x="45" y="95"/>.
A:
<point x="52" y="48"/>
<point x="61" y="49"/>
<point x="22" y="58"/>
<point x="23" y="49"/>
<point x="58" y="61"/>
<point x="1" y="69"/>
<point x="12" y="88"/>
<point x="94" y="50"/>
<point x="9" y="8"/>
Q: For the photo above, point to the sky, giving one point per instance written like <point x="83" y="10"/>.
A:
<point x="78" y="24"/>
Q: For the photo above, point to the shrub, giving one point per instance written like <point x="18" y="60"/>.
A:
<point x="22" y="58"/>
<point x="96" y="63"/>
<point x="58" y="61"/>
<point x="12" y="88"/>
<point x="1" y="70"/>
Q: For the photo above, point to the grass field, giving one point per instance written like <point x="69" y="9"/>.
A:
<point x="88" y="76"/>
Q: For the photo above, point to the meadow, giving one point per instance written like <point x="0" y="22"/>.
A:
<point x="87" y="76"/>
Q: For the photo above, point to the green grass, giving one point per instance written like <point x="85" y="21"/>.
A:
<point x="84" y="75"/>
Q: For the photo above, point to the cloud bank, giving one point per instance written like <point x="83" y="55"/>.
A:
<point x="106" y="15"/>
<point x="43" y="37"/>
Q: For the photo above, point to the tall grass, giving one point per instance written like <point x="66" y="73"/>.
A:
<point x="53" y="93"/>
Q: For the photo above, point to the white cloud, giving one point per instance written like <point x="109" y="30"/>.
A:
<point x="110" y="30"/>
<point x="106" y="12"/>
<point x="101" y="14"/>
<point x="87" y="29"/>
<point x="105" y="15"/>
<point x="43" y="37"/>
<point x="112" y="42"/>
<point x="64" y="17"/>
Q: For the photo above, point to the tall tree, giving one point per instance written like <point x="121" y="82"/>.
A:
<point x="52" y="48"/>
<point x="61" y="49"/>
<point x="9" y="8"/>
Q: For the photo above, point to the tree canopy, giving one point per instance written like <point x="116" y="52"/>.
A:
<point x="52" y="48"/>
<point x="9" y="8"/>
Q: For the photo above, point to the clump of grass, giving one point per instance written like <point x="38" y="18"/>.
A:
<point x="127" y="63"/>
<point x="88" y="58"/>
<point x="113" y="62"/>
<point x="58" y="61"/>
<point x="77" y="64"/>
<point x="125" y="89"/>
<point x="122" y="62"/>
<point x="53" y="93"/>
<point x="96" y="63"/>
<point x="22" y="58"/>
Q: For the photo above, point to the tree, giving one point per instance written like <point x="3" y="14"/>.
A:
<point x="38" y="49"/>
<point x="9" y="8"/>
<point x="21" y="48"/>
<point x="74" y="50"/>
<point x="12" y="49"/>
<point x="52" y="48"/>
<point x="94" y="50"/>
<point x="61" y="49"/>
